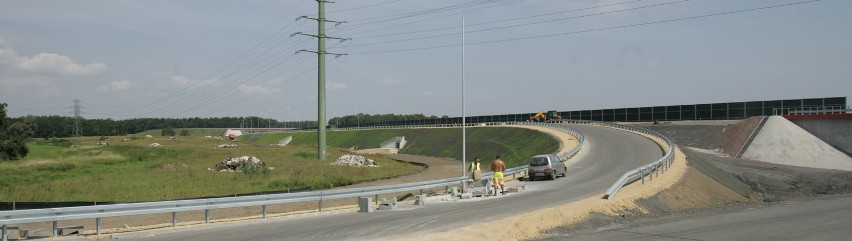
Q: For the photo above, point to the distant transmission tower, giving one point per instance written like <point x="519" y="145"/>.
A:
<point x="321" y="72"/>
<point x="77" y="130"/>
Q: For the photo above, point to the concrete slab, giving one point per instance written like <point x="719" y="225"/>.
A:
<point x="782" y="142"/>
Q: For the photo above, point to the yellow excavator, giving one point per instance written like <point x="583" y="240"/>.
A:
<point x="542" y="117"/>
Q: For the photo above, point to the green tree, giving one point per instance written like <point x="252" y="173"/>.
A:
<point x="13" y="136"/>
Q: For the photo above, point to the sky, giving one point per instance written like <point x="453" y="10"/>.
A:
<point x="201" y="58"/>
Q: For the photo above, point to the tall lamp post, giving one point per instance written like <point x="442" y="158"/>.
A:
<point x="358" y="118"/>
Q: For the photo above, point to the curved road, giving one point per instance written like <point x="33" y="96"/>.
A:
<point x="611" y="153"/>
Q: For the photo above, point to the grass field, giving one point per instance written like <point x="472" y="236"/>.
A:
<point x="133" y="171"/>
<point x="515" y="145"/>
<point x="127" y="171"/>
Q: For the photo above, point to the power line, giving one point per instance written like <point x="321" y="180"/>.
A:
<point x="497" y="21"/>
<point x="592" y="30"/>
<point x="517" y="25"/>
<point x="158" y="100"/>
<point x="433" y="18"/>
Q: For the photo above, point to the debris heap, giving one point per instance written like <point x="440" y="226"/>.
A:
<point x="228" y="146"/>
<point x="354" y="161"/>
<point x="233" y="163"/>
<point x="155" y="144"/>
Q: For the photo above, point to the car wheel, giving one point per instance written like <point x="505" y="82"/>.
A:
<point x="553" y="175"/>
<point x="565" y="172"/>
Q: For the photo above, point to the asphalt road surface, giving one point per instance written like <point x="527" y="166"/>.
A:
<point x="611" y="153"/>
<point x="810" y="220"/>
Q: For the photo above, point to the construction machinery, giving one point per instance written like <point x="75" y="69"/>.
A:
<point x="542" y="117"/>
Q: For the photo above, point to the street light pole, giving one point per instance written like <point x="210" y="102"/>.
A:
<point x="464" y="122"/>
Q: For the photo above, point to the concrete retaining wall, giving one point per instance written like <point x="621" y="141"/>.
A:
<point x="835" y="132"/>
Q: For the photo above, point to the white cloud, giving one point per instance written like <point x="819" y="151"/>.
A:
<point x="116" y="86"/>
<point x="58" y="64"/>
<point x="257" y="89"/>
<point x="183" y="81"/>
<point x="391" y="81"/>
<point x="428" y="93"/>
<point x="335" y="86"/>
<point x="47" y="63"/>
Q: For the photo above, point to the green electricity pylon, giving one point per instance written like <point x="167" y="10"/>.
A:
<point x="320" y="72"/>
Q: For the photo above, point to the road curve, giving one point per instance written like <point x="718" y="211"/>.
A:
<point x="611" y="153"/>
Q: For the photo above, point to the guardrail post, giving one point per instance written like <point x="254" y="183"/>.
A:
<point x="642" y="175"/>
<point x="174" y="219"/>
<point x="55" y="228"/>
<point x="320" y="202"/>
<point x="5" y="235"/>
<point x="97" y="226"/>
<point x="206" y="215"/>
<point x="377" y="199"/>
<point x="650" y="175"/>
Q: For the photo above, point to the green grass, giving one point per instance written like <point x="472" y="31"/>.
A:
<point x="514" y="145"/>
<point x="128" y="171"/>
<point x="132" y="171"/>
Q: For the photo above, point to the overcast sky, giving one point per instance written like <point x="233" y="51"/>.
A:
<point x="201" y="58"/>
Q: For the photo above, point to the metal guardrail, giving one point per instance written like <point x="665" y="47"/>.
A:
<point x="127" y="209"/>
<point x="647" y="170"/>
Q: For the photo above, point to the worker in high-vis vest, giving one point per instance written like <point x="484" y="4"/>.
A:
<point x="474" y="170"/>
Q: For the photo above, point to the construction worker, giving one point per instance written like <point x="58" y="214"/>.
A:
<point x="475" y="171"/>
<point x="498" y="167"/>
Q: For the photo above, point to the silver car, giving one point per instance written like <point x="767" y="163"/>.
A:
<point x="548" y="166"/>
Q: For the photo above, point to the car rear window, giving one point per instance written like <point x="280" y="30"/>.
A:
<point x="538" y="161"/>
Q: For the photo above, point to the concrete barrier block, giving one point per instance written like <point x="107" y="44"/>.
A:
<point x="365" y="204"/>
<point x="420" y="200"/>
<point x="512" y="189"/>
<point x="466" y="195"/>
<point x="388" y="204"/>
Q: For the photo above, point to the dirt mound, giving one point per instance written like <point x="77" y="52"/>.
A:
<point x="736" y="136"/>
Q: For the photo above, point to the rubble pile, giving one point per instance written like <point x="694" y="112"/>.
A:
<point x="354" y="161"/>
<point x="234" y="163"/>
<point x="155" y="144"/>
<point x="228" y="146"/>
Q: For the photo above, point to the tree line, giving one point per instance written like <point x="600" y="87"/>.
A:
<point x="63" y="126"/>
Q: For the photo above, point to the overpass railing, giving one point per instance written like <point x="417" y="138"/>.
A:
<point x="127" y="209"/>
